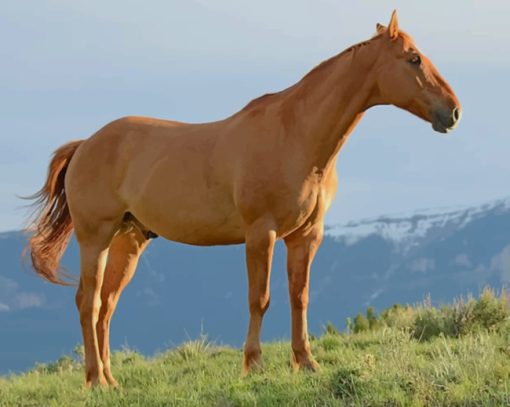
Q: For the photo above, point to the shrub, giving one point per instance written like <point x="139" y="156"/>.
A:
<point x="63" y="364"/>
<point x="360" y="324"/>
<point x="488" y="313"/>
<point x="398" y="316"/>
<point x="430" y="322"/>
<point x="424" y="321"/>
<point x="330" y="329"/>
<point x="374" y="322"/>
<point x="491" y="312"/>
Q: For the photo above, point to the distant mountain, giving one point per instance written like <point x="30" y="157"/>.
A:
<point x="179" y="290"/>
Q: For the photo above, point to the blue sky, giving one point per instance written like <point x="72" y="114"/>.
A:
<point x="70" y="67"/>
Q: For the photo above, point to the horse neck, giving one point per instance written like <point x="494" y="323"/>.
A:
<point x="322" y="110"/>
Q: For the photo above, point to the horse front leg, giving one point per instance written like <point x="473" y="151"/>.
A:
<point x="260" y="241"/>
<point x="301" y="248"/>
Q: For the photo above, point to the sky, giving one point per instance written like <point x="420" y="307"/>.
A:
<point x="68" y="68"/>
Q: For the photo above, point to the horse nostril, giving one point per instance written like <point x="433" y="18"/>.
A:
<point x="456" y="114"/>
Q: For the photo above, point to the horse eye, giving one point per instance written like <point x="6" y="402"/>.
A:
<point x="416" y="60"/>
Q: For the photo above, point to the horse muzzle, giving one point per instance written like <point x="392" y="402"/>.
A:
<point x="444" y="121"/>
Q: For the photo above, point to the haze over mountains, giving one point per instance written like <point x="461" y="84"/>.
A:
<point x="180" y="290"/>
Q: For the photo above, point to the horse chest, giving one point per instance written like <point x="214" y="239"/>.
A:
<point x="288" y="207"/>
<point x="289" y="200"/>
<point x="300" y="208"/>
<point x="308" y="203"/>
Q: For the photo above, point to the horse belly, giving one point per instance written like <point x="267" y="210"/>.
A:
<point x="192" y="227"/>
<point x="187" y="209"/>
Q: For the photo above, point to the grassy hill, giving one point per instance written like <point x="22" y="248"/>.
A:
<point x="457" y="355"/>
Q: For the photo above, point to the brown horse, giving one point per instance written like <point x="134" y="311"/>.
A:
<point x="265" y="173"/>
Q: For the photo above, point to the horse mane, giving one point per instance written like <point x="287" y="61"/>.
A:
<point x="317" y="70"/>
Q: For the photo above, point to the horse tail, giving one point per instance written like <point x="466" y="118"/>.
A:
<point x="52" y="225"/>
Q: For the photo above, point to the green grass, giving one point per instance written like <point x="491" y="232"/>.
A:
<point x="384" y="366"/>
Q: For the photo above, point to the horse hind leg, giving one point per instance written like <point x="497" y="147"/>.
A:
<point x="94" y="241"/>
<point x="125" y="250"/>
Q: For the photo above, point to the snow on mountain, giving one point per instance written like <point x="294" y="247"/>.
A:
<point x="406" y="230"/>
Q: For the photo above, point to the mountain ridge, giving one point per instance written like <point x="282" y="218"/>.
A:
<point x="414" y="224"/>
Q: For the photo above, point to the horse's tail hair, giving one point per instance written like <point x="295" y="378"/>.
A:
<point x="52" y="225"/>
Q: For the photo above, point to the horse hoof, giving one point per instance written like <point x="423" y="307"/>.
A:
<point x="96" y="381"/>
<point x="112" y="382"/>
<point x="252" y="363"/>
<point x="306" y="363"/>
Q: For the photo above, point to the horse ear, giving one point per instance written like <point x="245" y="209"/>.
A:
<point x="393" y="26"/>
<point x="379" y="28"/>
